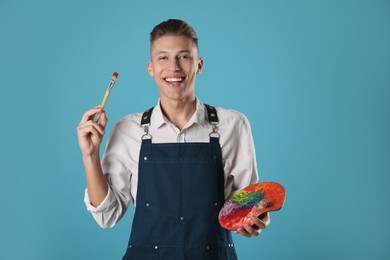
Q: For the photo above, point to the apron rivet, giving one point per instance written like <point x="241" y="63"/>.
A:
<point x="145" y="158"/>
<point x="216" y="204"/>
<point x="147" y="204"/>
<point x="207" y="247"/>
<point x="181" y="218"/>
<point x="156" y="247"/>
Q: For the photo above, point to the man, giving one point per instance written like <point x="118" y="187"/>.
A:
<point x="177" y="162"/>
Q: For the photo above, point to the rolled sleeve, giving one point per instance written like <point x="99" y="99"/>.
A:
<point x="110" y="211"/>
<point x="106" y="204"/>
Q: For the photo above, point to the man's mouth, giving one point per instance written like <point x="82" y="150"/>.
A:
<point x="174" y="80"/>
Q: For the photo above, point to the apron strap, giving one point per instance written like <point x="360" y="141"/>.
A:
<point x="213" y="120"/>
<point x="212" y="114"/>
<point x="145" y="120"/>
<point x="145" y="123"/>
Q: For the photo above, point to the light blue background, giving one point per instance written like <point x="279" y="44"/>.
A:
<point x="313" y="77"/>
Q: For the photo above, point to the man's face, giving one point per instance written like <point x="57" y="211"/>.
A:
<point x="174" y="64"/>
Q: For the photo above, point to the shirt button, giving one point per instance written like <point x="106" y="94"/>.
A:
<point x="156" y="247"/>
<point x="147" y="204"/>
<point x="181" y="218"/>
<point x="216" y="204"/>
<point x="207" y="247"/>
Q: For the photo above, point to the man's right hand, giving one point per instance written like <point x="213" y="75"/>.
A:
<point x="90" y="133"/>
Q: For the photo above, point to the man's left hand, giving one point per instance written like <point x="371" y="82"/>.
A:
<point x="260" y="223"/>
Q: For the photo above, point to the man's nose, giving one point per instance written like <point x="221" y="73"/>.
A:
<point x="174" y="65"/>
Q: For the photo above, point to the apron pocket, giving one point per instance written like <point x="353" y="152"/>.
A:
<point x="190" y="188"/>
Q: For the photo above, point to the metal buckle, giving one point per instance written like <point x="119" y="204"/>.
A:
<point x="146" y="132"/>
<point x="214" y="132"/>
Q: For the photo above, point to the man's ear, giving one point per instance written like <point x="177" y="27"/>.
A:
<point x="150" y="70"/>
<point x="200" y="66"/>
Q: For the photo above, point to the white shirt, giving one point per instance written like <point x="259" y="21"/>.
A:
<point x="120" y="160"/>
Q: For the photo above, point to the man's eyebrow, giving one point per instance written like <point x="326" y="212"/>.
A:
<point x="165" y="52"/>
<point x="185" y="51"/>
<point x="160" y="52"/>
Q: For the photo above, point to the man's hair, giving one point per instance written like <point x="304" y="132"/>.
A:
<point x="174" y="27"/>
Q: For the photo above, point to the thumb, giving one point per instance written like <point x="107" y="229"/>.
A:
<point x="103" y="120"/>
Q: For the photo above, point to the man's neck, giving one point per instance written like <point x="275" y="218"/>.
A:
<point x="178" y="112"/>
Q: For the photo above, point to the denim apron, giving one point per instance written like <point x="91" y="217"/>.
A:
<point x="180" y="192"/>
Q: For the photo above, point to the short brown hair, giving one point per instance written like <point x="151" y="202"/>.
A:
<point x="173" y="27"/>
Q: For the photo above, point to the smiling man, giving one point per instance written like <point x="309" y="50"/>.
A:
<point x="177" y="162"/>
<point x="174" y="64"/>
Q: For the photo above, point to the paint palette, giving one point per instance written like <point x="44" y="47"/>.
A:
<point x="257" y="198"/>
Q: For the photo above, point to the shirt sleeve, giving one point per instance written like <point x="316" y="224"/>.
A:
<point x="118" y="175"/>
<point x="240" y="157"/>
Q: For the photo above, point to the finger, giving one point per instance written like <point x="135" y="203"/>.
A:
<point x="88" y="115"/>
<point x="90" y="127"/>
<point x="103" y="120"/>
<point x="265" y="218"/>
<point x="258" y="223"/>
<point x="251" y="230"/>
<point x="95" y="133"/>
<point x="88" y="132"/>
<point x="264" y="203"/>
<point x="91" y="123"/>
<point x="243" y="232"/>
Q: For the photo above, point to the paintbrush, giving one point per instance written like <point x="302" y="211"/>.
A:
<point x="110" y="85"/>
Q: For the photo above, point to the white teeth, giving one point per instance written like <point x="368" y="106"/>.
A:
<point x="174" y="79"/>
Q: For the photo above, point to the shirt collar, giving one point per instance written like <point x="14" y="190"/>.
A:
<point x="158" y="118"/>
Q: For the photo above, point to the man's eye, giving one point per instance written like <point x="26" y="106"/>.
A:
<point x="162" y="58"/>
<point x="185" y="57"/>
